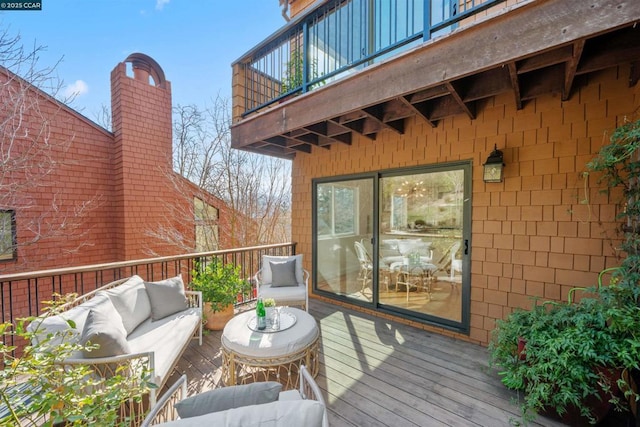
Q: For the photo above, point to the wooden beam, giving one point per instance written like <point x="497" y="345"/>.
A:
<point x="488" y="83"/>
<point x="355" y="126"/>
<point x="428" y="94"/>
<point x="545" y="59"/>
<point x="515" y="84"/>
<point x="419" y="109"/>
<point x="570" y="69"/>
<point x="377" y="113"/>
<point x="444" y="107"/>
<point x="289" y="143"/>
<point x="463" y="105"/>
<point x="634" y="73"/>
<point x="548" y="80"/>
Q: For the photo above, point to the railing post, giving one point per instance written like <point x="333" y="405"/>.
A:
<point x="426" y="31"/>
<point x="305" y="56"/>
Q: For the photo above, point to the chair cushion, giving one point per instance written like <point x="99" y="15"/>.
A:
<point x="166" y="297"/>
<point x="104" y="327"/>
<point x="221" y="399"/>
<point x="266" y="267"/>
<point x="283" y="273"/>
<point x="289" y="413"/>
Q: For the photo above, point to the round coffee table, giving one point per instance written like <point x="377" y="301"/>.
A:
<point x="249" y="355"/>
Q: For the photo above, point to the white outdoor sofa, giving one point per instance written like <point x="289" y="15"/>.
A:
<point x="135" y="323"/>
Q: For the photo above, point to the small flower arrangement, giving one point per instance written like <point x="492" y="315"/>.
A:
<point x="269" y="302"/>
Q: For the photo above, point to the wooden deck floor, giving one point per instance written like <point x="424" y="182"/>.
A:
<point x="374" y="372"/>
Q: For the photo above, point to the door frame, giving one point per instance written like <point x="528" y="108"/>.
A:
<point x="465" y="287"/>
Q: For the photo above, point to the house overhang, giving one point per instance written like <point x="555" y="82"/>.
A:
<point x="540" y="48"/>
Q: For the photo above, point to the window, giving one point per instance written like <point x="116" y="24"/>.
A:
<point x="206" y="222"/>
<point x="7" y="235"/>
<point x="337" y="210"/>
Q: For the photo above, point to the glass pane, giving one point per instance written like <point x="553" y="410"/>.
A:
<point x="344" y="211"/>
<point x="420" y="234"/>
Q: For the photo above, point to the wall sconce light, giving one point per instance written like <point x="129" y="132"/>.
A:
<point x="494" y="166"/>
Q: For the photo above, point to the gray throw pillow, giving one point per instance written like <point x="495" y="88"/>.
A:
<point x="166" y="297"/>
<point x="131" y="301"/>
<point x="221" y="399"/>
<point x="283" y="273"/>
<point x="104" y="327"/>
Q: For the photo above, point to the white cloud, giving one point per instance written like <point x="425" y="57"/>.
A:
<point x="160" y="4"/>
<point x="76" y="89"/>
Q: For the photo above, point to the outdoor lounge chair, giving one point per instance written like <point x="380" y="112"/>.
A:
<point x="250" y="404"/>
<point x="283" y="279"/>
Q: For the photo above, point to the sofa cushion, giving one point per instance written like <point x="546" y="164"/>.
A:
<point x="307" y="413"/>
<point x="104" y="327"/>
<point x="283" y="273"/>
<point x="131" y="300"/>
<point x="166" y="297"/>
<point x="221" y="399"/>
<point x="267" y="277"/>
<point x="166" y="338"/>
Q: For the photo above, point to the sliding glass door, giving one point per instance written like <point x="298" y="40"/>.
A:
<point x="343" y="229"/>
<point x="422" y="239"/>
<point x="397" y="241"/>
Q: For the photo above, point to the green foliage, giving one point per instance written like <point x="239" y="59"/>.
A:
<point x="219" y="283"/>
<point x="60" y="393"/>
<point x="294" y="74"/>
<point x="565" y="345"/>
<point x="570" y="346"/>
<point x="619" y="165"/>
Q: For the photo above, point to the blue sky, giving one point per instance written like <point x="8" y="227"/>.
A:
<point x="194" y="41"/>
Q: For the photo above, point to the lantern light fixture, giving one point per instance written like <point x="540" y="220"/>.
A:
<point x="494" y="166"/>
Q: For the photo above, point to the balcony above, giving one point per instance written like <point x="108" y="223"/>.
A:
<point x="314" y="84"/>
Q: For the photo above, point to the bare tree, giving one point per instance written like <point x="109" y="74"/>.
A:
<point x="30" y="153"/>
<point x="103" y="117"/>
<point x="255" y="189"/>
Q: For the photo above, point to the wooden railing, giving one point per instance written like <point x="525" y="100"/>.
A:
<point x="22" y="294"/>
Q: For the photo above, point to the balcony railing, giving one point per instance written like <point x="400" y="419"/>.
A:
<point x="338" y="38"/>
<point x="22" y="294"/>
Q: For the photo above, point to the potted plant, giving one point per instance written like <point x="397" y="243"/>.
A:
<point x="574" y="359"/>
<point x="568" y="358"/>
<point x="220" y="285"/>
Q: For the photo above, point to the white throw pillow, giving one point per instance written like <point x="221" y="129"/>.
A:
<point x="166" y="297"/>
<point x="267" y="277"/>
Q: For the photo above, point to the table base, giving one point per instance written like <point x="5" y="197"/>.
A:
<point x="241" y="369"/>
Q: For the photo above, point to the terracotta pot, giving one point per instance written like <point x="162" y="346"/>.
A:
<point x="217" y="319"/>
<point x="522" y="345"/>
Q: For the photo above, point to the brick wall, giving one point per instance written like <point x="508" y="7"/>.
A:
<point x="62" y="197"/>
<point x="107" y="191"/>
<point x="544" y="230"/>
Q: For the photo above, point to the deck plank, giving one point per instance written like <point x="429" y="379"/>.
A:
<point x="376" y="372"/>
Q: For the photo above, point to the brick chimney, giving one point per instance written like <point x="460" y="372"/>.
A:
<point x="141" y="116"/>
